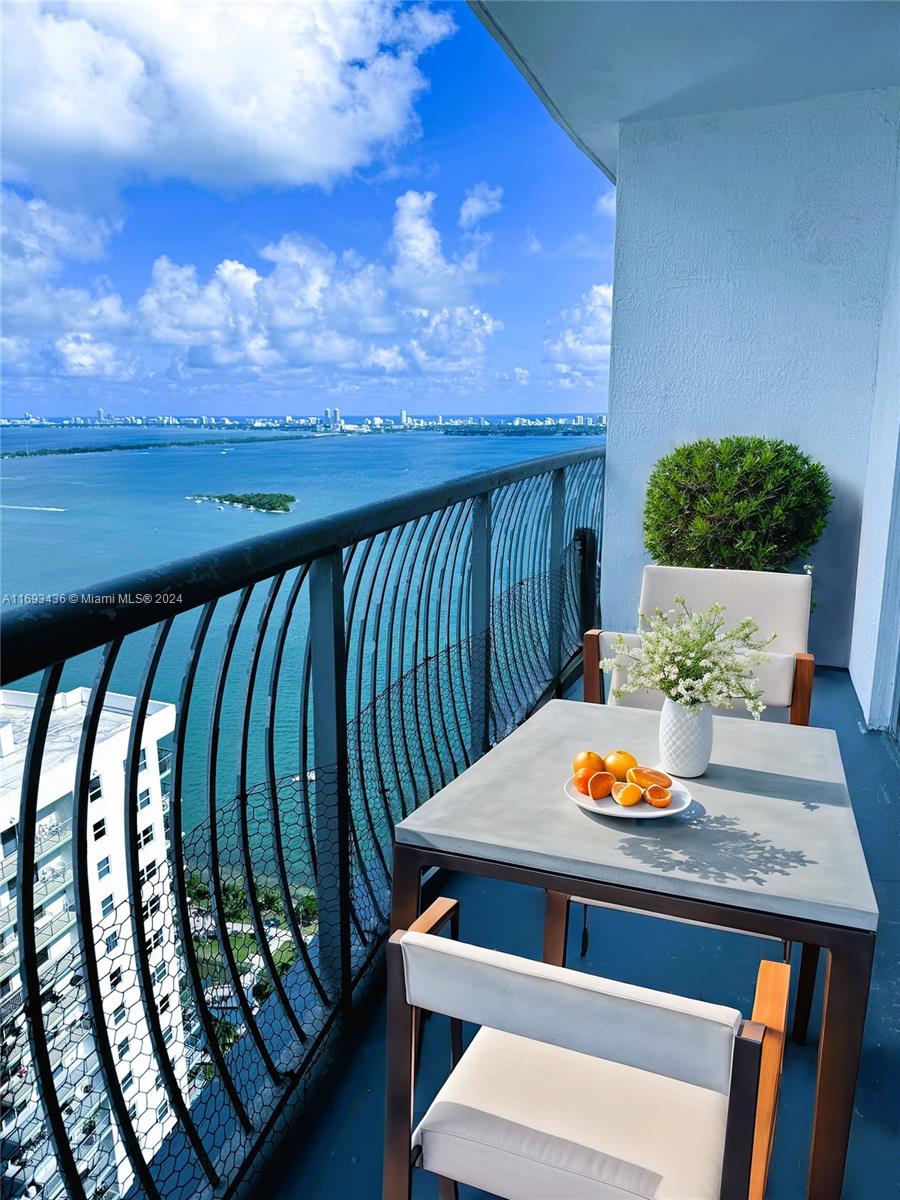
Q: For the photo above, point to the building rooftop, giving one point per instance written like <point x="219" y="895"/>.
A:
<point x="63" y="737"/>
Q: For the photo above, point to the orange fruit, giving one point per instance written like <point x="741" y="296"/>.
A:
<point x="626" y="794"/>
<point x="645" y="777"/>
<point x="587" y="758"/>
<point x="600" y="784"/>
<point x="619" y="763"/>
<point x="582" y="778"/>
<point x="659" y="797"/>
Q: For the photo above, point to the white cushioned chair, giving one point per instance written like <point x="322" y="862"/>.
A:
<point x="575" y="1087"/>
<point x="779" y="603"/>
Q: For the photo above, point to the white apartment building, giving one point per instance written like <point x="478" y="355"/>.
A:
<point x="28" y="1163"/>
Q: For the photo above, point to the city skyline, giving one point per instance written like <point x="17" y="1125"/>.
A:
<point x="373" y="257"/>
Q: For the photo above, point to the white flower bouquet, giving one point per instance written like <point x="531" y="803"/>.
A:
<point x="693" y="659"/>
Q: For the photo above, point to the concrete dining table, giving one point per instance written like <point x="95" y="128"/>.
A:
<point x="769" y="846"/>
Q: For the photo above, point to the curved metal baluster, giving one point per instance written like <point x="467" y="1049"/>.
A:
<point x="214" y="865"/>
<point x="422" y="611"/>
<point x="262" y="940"/>
<point x="305" y="766"/>
<point x="181" y="896"/>
<point x="445" y="602"/>
<point x="356" y="720"/>
<point x="102" y="1044"/>
<point x="138" y="924"/>
<point x="272" y="786"/>
<point x="435" y="707"/>
<point x="414" y="582"/>
<point x="503" y="572"/>
<point x="389" y="731"/>
<point x="28" y="963"/>
<point x="371" y="707"/>
<point x="459" y="642"/>
<point x="401" y="574"/>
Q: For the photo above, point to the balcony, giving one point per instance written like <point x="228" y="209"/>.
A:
<point x="329" y="678"/>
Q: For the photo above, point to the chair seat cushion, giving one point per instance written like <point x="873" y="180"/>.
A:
<point x="529" y="1121"/>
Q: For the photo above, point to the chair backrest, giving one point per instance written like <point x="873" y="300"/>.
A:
<point x="669" y="1035"/>
<point x="777" y="602"/>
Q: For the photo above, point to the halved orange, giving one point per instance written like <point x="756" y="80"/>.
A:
<point x="600" y="784"/>
<point x="626" y="794"/>
<point x="659" y="797"/>
<point x="645" y="777"/>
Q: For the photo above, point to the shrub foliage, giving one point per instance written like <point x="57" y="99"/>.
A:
<point x="749" y="503"/>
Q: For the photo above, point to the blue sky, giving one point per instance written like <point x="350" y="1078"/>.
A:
<point x="251" y="208"/>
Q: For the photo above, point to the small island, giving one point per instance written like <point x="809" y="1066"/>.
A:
<point x="275" y="502"/>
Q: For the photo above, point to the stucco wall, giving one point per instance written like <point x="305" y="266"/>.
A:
<point x="876" y="618"/>
<point x="751" y="249"/>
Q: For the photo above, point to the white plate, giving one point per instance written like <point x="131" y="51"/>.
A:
<point x="642" y="811"/>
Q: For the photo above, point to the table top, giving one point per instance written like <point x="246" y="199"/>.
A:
<point x="771" y="827"/>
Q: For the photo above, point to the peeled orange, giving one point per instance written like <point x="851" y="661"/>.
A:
<point x="587" y="758"/>
<point x="659" y="797"/>
<point x="645" y="777"/>
<point x="600" y="784"/>
<point x="582" y="778"/>
<point x="619" y="762"/>
<point x="626" y="794"/>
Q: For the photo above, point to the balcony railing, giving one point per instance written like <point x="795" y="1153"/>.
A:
<point x="327" y="679"/>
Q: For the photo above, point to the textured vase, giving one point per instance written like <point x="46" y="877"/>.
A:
<point x="685" y="739"/>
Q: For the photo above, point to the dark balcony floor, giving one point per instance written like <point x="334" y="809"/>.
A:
<point x="337" y="1153"/>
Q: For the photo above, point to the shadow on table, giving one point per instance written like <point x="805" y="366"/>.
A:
<point x="811" y="793"/>
<point x="712" y="848"/>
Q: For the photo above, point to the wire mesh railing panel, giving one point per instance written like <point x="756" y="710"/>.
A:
<point x="195" y="873"/>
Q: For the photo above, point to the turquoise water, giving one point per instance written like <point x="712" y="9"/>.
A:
<point x="121" y="511"/>
<point x="81" y="519"/>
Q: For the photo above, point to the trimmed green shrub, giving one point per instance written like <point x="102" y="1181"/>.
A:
<point x="749" y="503"/>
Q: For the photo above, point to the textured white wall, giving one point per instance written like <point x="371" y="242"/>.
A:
<point x="876" y="618"/>
<point x="751" y="249"/>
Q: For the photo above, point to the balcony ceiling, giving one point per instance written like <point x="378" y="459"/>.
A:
<point x="596" y="64"/>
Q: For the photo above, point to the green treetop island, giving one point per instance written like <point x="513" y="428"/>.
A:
<point x="276" y="502"/>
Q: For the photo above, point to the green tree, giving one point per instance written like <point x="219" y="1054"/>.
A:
<point x="197" y="890"/>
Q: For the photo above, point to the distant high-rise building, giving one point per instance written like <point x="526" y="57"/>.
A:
<point x="101" y="415"/>
<point x="440" y="419"/>
<point x="404" y="418"/>
<point x="337" y="419"/>
<point x="328" y="417"/>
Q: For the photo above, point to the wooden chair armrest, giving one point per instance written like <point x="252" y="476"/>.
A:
<point x="436" y="916"/>
<point x="801" y="696"/>
<point x="770" y="1009"/>
<point x="591" y="674"/>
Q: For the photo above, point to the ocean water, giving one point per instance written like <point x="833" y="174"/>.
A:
<point x="114" y="513"/>
<point x="73" y="521"/>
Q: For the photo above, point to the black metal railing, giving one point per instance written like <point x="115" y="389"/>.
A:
<point x="292" y="697"/>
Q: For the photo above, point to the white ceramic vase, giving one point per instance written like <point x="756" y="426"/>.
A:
<point x="685" y="739"/>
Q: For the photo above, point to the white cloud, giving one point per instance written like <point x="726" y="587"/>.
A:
<point x="78" y="354"/>
<point x="605" y="205"/>
<point x="481" y="201"/>
<point x="225" y="95"/>
<point x="522" y="375"/>
<point x="420" y="267"/>
<point x="579" y="343"/>
<point x="300" y="307"/>
<point x="37" y="239"/>
<point x="452" y="340"/>
<point x="388" y="358"/>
